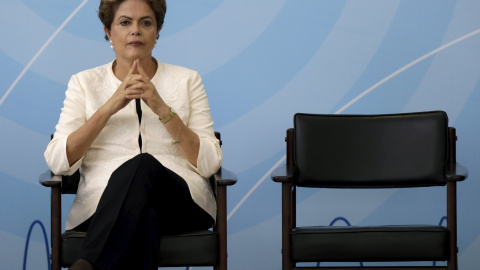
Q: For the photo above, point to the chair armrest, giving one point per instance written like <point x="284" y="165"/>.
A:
<point x="48" y="179"/>
<point x="225" y="177"/>
<point x="456" y="172"/>
<point x="282" y="174"/>
<point x="68" y="183"/>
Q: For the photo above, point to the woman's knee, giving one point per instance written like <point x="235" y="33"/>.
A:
<point x="149" y="157"/>
<point x="144" y="156"/>
<point x="143" y="160"/>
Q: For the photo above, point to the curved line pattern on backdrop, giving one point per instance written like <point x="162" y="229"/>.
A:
<point x="353" y="101"/>
<point x="315" y="56"/>
<point x="304" y="90"/>
<point x="409" y="65"/>
<point x="42" y="49"/>
<point x="205" y="47"/>
<point x="333" y="223"/>
<point x="47" y="248"/>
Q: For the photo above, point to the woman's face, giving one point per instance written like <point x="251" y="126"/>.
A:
<point x="134" y="30"/>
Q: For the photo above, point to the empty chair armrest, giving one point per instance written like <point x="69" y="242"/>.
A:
<point x="282" y="174"/>
<point x="456" y="172"/>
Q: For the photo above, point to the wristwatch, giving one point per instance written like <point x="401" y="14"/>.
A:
<point x="169" y="116"/>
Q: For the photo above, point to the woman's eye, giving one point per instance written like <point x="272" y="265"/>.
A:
<point x="146" y="23"/>
<point x="124" y="23"/>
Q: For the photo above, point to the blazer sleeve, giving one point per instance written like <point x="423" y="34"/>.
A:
<point x="200" y="121"/>
<point x="72" y="117"/>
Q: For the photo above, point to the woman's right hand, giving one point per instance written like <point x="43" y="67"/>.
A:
<point x="80" y="140"/>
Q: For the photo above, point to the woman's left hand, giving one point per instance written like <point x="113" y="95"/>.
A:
<point x="187" y="141"/>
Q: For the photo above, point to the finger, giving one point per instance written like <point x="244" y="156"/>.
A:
<point x="127" y="80"/>
<point x="140" y="69"/>
<point x="143" y="75"/>
<point x="137" y="85"/>
<point x="135" y="89"/>
<point x="132" y="79"/>
<point x="131" y="74"/>
<point x="132" y="68"/>
<point x="131" y="93"/>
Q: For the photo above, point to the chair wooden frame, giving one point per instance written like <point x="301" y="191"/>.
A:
<point x="222" y="177"/>
<point x="285" y="175"/>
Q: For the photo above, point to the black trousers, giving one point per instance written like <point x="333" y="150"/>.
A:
<point x="142" y="201"/>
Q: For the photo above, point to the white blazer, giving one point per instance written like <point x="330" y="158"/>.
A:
<point x="181" y="88"/>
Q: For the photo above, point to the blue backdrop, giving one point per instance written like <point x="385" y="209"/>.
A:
<point x="261" y="62"/>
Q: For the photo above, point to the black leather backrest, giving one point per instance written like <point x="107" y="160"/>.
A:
<point x="361" y="151"/>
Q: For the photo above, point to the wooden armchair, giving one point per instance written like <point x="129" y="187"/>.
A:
<point x="199" y="248"/>
<point x="369" y="152"/>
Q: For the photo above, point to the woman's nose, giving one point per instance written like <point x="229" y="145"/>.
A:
<point x="136" y="30"/>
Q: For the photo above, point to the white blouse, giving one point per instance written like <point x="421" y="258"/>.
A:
<point x="180" y="88"/>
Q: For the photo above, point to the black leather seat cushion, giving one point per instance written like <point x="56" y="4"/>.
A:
<point x="376" y="243"/>
<point x="201" y="245"/>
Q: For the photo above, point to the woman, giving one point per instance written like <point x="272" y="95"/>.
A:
<point x="141" y="133"/>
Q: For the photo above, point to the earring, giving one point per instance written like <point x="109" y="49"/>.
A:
<point x="111" y="45"/>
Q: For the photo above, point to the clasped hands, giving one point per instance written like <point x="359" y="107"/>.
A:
<point x="137" y="85"/>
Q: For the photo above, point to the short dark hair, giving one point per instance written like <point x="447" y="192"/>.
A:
<point x="107" y="9"/>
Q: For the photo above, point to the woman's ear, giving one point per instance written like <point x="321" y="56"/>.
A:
<point x="107" y="32"/>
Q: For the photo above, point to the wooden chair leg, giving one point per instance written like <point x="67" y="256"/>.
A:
<point x="222" y="226"/>
<point x="452" y="263"/>
<point x="288" y="206"/>
<point x="286" y="225"/>
<point x="56" y="227"/>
